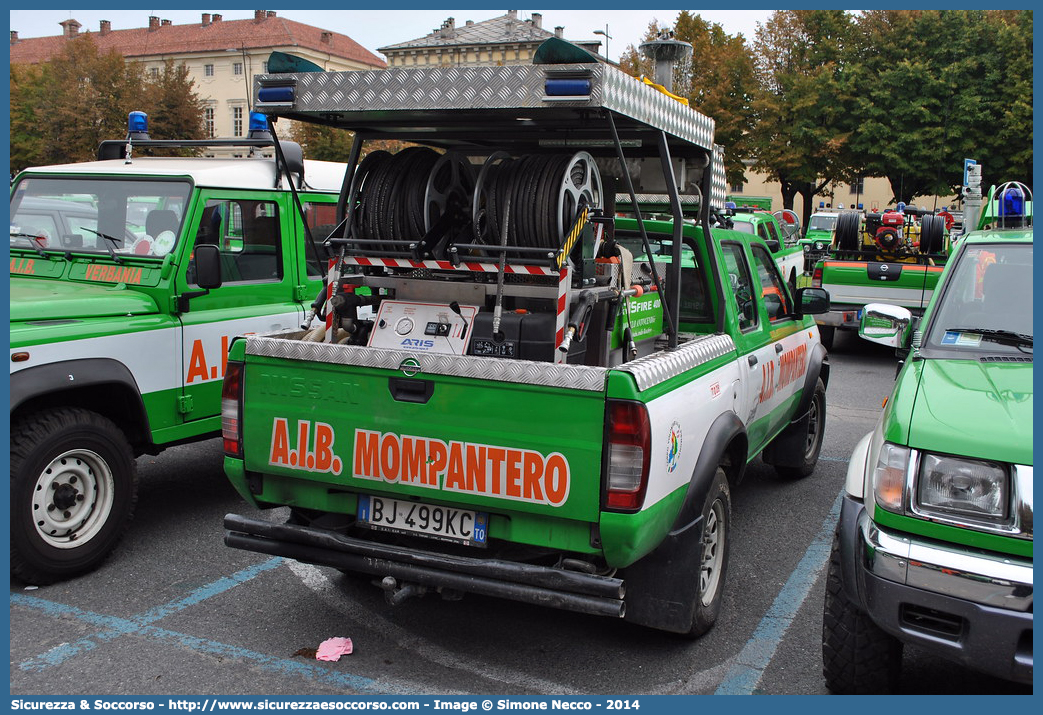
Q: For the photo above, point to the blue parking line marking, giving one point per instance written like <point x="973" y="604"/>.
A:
<point x="745" y="673"/>
<point x="209" y="591"/>
<point x="114" y="627"/>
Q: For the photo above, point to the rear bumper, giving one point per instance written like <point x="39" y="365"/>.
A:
<point x="528" y="583"/>
<point x="847" y="318"/>
<point x="967" y="606"/>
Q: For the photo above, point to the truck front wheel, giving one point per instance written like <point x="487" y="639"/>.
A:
<point x="858" y="657"/>
<point x="713" y="562"/>
<point x="812" y="438"/>
<point x="73" y="491"/>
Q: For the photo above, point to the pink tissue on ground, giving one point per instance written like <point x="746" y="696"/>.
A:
<point x="333" y="649"/>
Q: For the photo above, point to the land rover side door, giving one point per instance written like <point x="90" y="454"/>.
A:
<point x="259" y="291"/>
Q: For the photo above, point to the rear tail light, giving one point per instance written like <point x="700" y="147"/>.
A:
<point x="816" y="277"/>
<point x="231" y="409"/>
<point x="629" y="450"/>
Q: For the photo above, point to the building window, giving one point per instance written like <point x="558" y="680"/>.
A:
<point x="208" y="122"/>
<point x="736" y="188"/>
<point x="208" y="70"/>
<point x="237" y="121"/>
<point x="858" y="187"/>
<point x="264" y="67"/>
<point x="237" y="68"/>
<point x="153" y="72"/>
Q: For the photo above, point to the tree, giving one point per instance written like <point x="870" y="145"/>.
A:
<point x="82" y="97"/>
<point x="175" y="110"/>
<point x="798" y="106"/>
<point x="717" y="80"/>
<point x="26" y="139"/>
<point x="935" y="87"/>
<point x="62" y="109"/>
<point x="322" y="142"/>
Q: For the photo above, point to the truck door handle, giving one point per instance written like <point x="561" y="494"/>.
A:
<point x="778" y="347"/>
<point x="752" y="360"/>
<point x="408" y="390"/>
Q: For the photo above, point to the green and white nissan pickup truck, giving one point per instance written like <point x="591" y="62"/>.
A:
<point x="539" y="401"/>
<point x="891" y="257"/>
<point x="934" y="542"/>
<point x="119" y="330"/>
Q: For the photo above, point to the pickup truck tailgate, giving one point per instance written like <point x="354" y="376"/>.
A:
<point x="858" y="282"/>
<point x="478" y="433"/>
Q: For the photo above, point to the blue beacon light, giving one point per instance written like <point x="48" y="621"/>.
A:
<point x="137" y="125"/>
<point x="258" y="122"/>
<point x="1013" y="203"/>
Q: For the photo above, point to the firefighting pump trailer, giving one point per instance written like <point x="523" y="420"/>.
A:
<point x="493" y="233"/>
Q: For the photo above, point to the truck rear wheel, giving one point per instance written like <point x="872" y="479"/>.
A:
<point x="813" y="439"/>
<point x="73" y="491"/>
<point x="858" y="657"/>
<point x="713" y="561"/>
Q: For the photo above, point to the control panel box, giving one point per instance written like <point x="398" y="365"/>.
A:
<point x="426" y="327"/>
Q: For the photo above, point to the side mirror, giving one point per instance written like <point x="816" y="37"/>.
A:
<point x="884" y="324"/>
<point x="812" y="301"/>
<point x="208" y="266"/>
<point x="773" y="245"/>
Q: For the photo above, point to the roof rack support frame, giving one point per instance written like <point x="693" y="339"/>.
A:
<point x="668" y="315"/>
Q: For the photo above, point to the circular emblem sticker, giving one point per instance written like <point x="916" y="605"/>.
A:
<point x="673" y="443"/>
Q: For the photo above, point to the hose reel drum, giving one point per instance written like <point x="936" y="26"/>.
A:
<point x="401" y="198"/>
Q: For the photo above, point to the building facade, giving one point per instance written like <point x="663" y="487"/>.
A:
<point x="222" y="56"/>
<point x="503" y="40"/>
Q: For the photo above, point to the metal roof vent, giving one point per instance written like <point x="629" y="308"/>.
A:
<point x="666" y="52"/>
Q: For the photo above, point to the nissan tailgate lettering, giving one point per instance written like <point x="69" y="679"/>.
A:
<point x="486" y="470"/>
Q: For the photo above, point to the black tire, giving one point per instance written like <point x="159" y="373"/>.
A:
<point x="814" y="438"/>
<point x="715" y="539"/>
<point x="848" y="225"/>
<point x="858" y="657"/>
<point x="826" y="334"/>
<point x="73" y="492"/>
<point x="932" y="234"/>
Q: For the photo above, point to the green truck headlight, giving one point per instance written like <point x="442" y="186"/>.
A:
<point x="963" y="487"/>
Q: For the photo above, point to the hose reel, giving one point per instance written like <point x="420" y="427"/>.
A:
<point x="547" y="191"/>
<point x="399" y="199"/>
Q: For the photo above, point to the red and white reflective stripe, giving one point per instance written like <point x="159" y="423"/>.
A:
<point x="333" y="278"/>
<point x="560" y="318"/>
<point x="447" y="266"/>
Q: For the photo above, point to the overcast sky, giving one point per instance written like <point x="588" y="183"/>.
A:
<point x="377" y="28"/>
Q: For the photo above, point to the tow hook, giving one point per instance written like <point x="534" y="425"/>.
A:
<point x="395" y="594"/>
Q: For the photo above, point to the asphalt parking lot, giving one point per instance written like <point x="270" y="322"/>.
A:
<point x="175" y="612"/>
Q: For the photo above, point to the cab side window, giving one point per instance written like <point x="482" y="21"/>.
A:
<point x="741" y="284"/>
<point x="773" y="232"/>
<point x="321" y="219"/>
<point x="249" y="236"/>
<point x="777" y="301"/>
